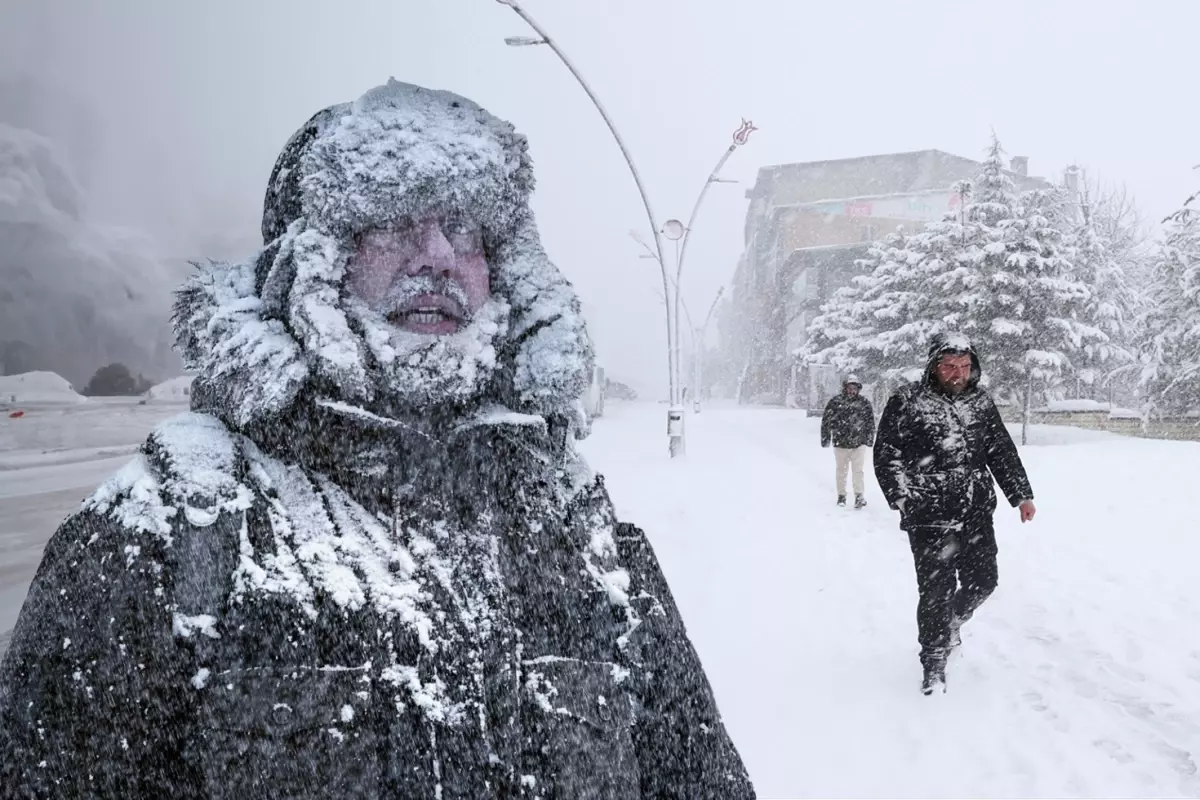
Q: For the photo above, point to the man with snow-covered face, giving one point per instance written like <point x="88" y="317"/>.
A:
<point x="370" y="561"/>
<point x="427" y="275"/>
<point x="953" y="372"/>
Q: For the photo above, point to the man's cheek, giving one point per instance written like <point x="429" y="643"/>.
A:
<point x="477" y="284"/>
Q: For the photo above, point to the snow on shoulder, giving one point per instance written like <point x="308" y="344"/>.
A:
<point x="37" y="387"/>
<point x="188" y="464"/>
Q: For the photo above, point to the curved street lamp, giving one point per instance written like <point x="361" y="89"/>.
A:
<point x="740" y="137"/>
<point x="675" y="412"/>
<point x="674" y="229"/>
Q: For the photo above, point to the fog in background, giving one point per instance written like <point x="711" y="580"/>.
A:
<point x="163" y="119"/>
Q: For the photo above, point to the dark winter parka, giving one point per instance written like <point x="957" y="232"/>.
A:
<point x="305" y="588"/>
<point x="936" y="453"/>
<point x="848" y="422"/>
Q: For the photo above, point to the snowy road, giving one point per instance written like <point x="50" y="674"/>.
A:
<point x="50" y="460"/>
<point x="1080" y="677"/>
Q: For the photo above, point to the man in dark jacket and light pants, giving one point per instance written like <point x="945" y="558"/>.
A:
<point x="849" y="424"/>
<point x="940" y="442"/>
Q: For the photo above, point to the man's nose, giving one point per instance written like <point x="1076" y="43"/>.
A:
<point x="435" y="254"/>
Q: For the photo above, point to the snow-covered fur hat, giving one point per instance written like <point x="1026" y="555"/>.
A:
<point x="259" y="333"/>
<point x="851" y="379"/>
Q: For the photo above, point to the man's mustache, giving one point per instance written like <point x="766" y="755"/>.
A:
<point x="405" y="291"/>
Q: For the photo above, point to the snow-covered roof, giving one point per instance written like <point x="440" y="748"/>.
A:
<point x="868" y="176"/>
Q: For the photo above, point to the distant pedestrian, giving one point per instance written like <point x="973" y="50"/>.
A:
<point x="849" y="424"/>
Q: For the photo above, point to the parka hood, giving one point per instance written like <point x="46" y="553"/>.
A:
<point x="265" y="333"/>
<point x="941" y="344"/>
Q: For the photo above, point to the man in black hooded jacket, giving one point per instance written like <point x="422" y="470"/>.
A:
<point x="370" y="562"/>
<point x="940" y="442"/>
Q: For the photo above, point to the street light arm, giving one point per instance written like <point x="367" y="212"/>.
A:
<point x="637" y="178"/>
<point x="687" y="234"/>
<point x="712" y="308"/>
<point x="740" y="136"/>
<point x="649" y="252"/>
<point x="712" y="178"/>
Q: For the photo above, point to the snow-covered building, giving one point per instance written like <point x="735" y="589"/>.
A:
<point x="806" y="225"/>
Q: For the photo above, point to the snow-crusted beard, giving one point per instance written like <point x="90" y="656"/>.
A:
<point x="417" y="370"/>
<point x="403" y="292"/>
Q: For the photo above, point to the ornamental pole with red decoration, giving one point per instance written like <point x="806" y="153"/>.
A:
<point x="740" y="137"/>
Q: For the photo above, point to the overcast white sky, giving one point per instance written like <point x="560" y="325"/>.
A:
<point x="197" y="98"/>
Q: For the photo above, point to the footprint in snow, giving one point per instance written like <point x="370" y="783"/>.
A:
<point x="1179" y="760"/>
<point x="1122" y="671"/>
<point x="1113" y="750"/>
<point x="1038" y="703"/>
<point x="1044" y="636"/>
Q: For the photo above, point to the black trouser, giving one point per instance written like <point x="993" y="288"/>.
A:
<point x="956" y="571"/>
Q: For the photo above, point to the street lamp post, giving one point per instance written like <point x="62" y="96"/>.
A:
<point x="675" y="411"/>
<point x="699" y="347"/>
<point x="674" y="230"/>
<point x="740" y="137"/>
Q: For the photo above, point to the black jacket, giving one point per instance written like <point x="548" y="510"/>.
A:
<point x="848" y="422"/>
<point x="937" y="453"/>
<point x="179" y="641"/>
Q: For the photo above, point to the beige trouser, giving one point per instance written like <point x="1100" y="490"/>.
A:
<point x="845" y="459"/>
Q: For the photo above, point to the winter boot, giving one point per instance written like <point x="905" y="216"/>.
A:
<point x="860" y="501"/>
<point x="934" y="663"/>
<point x="842" y="500"/>
<point x="934" y="680"/>
<point x="954" y="642"/>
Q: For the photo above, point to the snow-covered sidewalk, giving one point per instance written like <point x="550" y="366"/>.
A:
<point x="1080" y="677"/>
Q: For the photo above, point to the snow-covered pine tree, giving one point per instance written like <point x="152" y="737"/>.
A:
<point x="902" y="313"/>
<point x="1112" y="308"/>
<point x="965" y="265"/>
<point x="1064" y="329"/>
<point x="869" y="326"/>
<point x="1014" y="288"/>
<point x="1000" y="270"/>
<point x="1170" y="342"/>
<point x="830" y="335"/>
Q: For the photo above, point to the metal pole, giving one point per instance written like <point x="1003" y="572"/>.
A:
<point x="675" y="434"/>
<point x="678" y="337"/>
<point x="740" y="137"/>
<point x="701" y="344"/>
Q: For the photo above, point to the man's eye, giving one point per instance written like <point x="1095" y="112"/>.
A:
<point x="460" y="227"/>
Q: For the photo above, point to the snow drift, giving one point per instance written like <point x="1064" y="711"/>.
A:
<point x="176" y="390"/>
<point x="37" y="387"/>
